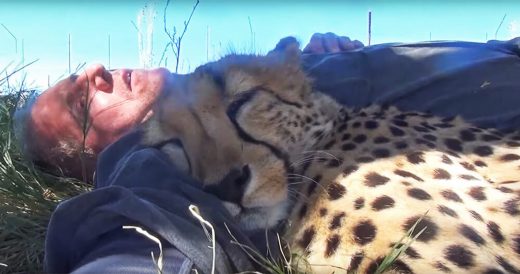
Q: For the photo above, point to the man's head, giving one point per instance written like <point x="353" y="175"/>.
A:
<point x="71" y="122"/>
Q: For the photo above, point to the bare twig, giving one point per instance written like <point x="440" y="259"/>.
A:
<point x="14" y="37"/>
<point x="176" y="41"/>
<point x="500" y="25"/>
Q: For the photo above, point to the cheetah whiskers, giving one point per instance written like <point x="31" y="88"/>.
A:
<point x="311" y="157"/>
<point x="294" y="175"/>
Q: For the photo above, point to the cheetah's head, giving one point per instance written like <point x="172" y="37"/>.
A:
<point x="233" y="124"/>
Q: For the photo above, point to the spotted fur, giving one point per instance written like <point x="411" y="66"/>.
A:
<point x="349" y="182"/>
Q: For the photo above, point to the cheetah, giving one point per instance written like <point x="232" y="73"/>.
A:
<point x="348" y="183"/>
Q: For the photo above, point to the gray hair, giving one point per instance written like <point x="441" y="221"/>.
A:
<point x="21" y="123"/>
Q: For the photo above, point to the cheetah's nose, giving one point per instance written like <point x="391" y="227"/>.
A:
<point x="232" y="186"/>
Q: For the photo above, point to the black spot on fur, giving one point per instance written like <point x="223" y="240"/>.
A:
<point x="382" y="202"/>
<point x="489" y="138"/>
<point x="428" y="234"/>
<point x="426" y="125"/>
<point x="477" y="193"/>
<point x="335" y="191"/>
<point x="506" y="265"/>
<point x="516" y="243"/>
<point x="505" y="189"/>
<point x="343" y="127"/>
<point x="412" y="253"/>
<point x="400" y="123"/>
<point x="468" y="166"/>
<point x="511" y="206"/>
<point x="493" y="271"/>
<point x="419" y="194"/>
<point x="334" y="162"/>
<point x="446" y="159"/>
<point x="306" y="239"/>
<point x="430" y="137"/>
<point x="471" y="234"/>
<point x="453" y="153"/>
<point x="381" y="140"/>
<point x="406" y="174"/>
<point x="400" y="145"/>
<point x="480" y="163"/>
<point x="348" y="147"/>
<point x="313" y="184"/>
<point x="467" y="136"/>
<point x="447" y="211"/>
<point x="468" y="177"/>
<point x="420" y="129"/>
<point x="440" y="266"/>
<point x="460" y="256"/>
<point x="453" y="144"/>
<point x="303" y="211"/>
<point x="329" y="144"/>
<point x="332" y="245"/>
<point x="443" y="125"/>
<point x="513" y="144"/>
<point x="372" y="267"/>
<point x="396" y="131"/>
<point x="355" y="262"/>
<point x="350" y="169"/>
<point x="483" y="151"/>
<point x="400" y="267"/>
<point x="494" y="231"/>
<point x="420" y="141"/>
<point x="509" y="157"/>
<point x="356" y="124"/>
<point x="336" y="220"/>
<point x="415" y="157"/>
<point x="364" y="159"/>
<point x="374" y="179"/>
<point x="441" y="174"/>
<point x="371" y="124"/>
<point x="359" y="203"/>
<point x="323" y="212"/>
<point x="381" y="153"/>
<point x="451" y="196"/>
<point x="476" y="215"/>
<point x="345" y="137"/>
<point x="364" y="232"/>
<point x="361" y="138"/>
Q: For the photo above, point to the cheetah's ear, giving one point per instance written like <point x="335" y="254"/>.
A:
<point x="288" y="50"/>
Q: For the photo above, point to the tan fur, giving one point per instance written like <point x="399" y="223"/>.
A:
<point x="317" y="181"/>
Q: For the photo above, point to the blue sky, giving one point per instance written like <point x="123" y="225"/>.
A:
<point x="44" y="27"/>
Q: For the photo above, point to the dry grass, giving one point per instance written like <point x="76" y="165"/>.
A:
<point x="27" y="195"/>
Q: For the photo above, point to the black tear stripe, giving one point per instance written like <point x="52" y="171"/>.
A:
<point x="232" y="112"/>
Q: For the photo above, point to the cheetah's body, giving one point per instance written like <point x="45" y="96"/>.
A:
<point x="376" y="173"/>
<point x="351" y="183"/>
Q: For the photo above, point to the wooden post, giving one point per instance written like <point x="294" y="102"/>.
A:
<point x="109" y="51"/>
<point x="369" y="27"/>
<point x="69" y="56"/>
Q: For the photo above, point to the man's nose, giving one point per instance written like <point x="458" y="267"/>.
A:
<point x="99" y="77"/>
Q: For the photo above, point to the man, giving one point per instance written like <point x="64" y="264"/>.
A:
<point x="72" y="122"/>
<point x="137" y="186"/>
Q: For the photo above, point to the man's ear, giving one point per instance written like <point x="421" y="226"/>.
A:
<point x="288" y="50"/>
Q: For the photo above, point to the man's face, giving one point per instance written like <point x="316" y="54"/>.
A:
<point x="117" y="101"/>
